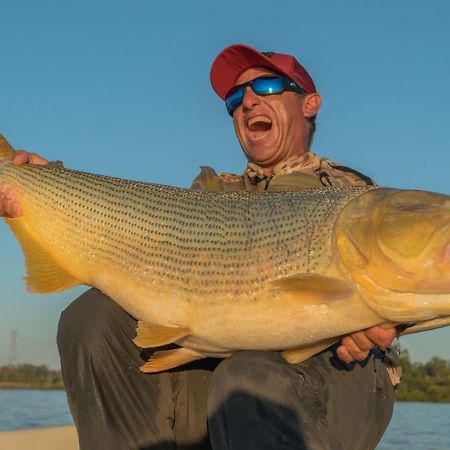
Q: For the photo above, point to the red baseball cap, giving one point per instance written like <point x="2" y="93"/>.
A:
<point x="235" y="59"/>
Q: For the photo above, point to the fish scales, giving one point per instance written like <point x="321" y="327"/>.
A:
<point x="202" y="244"/>
<point x="220" y="272"/>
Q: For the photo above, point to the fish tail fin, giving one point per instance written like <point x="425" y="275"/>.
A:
<point x="5" y="148"/>
<point x="44" y="274"/>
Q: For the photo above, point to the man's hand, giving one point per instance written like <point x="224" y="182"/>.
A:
<point x="356" y="346"/>
<point x="9" y="204"/>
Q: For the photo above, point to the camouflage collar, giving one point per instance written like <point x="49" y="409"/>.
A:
<point x="329" y="172"/>
<point x="308" y="162"/>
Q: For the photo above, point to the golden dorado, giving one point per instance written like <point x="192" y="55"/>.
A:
<point x="218" y="272"/>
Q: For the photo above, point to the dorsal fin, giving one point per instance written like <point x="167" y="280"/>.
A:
<point x="5" y="147"/>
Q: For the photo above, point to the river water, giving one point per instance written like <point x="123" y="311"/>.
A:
<point x="418" y="426"/>
<point x="414" y="426"/>
<point x="32" y="409"/>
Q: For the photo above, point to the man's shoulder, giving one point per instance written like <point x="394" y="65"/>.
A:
<point x="305" y="172"/>
<point x="335" y="174"/>
<point x="310" y="170"/>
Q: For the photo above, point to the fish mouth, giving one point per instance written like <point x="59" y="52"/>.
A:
<point x="259" y="127"/>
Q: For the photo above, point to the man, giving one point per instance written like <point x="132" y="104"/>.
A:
<point x="251" y="400"/>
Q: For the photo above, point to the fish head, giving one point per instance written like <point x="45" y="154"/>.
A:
<point x="398" y="240"/>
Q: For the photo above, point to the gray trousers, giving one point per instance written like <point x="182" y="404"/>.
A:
<point x="253" y="400"/>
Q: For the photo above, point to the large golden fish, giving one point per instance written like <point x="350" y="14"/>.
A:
<point x="220" y="272"/>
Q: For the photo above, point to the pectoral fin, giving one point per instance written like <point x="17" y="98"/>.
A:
<point x="311" y="288"/>
<point x="150" y="335"/>
<point x="169" y="359"/>
<point x="298" y="355"/>
<point x="44" y="274"/>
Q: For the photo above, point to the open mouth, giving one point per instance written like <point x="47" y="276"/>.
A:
<point x="259" y="126"/>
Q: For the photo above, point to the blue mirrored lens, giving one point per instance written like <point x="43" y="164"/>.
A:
<point x="234" y="99"/>
<point x="261" y="86"/>
<point x="267" y="86"/>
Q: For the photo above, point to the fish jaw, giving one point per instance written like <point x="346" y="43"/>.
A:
<point x="398" y="242"/>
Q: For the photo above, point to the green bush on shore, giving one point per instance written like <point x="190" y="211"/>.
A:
<point x="429" y="382"/>
<point x="29" y="376"/>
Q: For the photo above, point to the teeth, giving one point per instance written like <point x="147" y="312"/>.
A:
<point x="257" y="119"/>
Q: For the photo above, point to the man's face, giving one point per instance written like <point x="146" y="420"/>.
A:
<point x="270" y="128"/>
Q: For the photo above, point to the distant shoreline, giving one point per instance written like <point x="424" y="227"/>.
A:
<point x="30" y="376"/>
<point x="24" y="386"/>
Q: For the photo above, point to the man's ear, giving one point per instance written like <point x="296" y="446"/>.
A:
<point x="311" y="104"/>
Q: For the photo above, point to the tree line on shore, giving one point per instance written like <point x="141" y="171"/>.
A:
<point x="30" y="376"/>
<point x="428" y="381"/>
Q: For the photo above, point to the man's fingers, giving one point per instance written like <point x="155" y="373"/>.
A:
<point x="347" y="356"/>
<point x="11" y="209"/>
<point x="356" y="346"/>
<point x="9" y="205"/>
<point x="21" y="157"/>
<point x="38" y="160"/>
<point x="349" y="350"/>
<point x="381" y="337"/>
<point x="344" y="355"/>
<point x="362" y="341"/>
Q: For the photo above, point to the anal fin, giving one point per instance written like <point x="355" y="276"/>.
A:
<point x="43" y="273"/>
<point x="298" y="355"/>
<point x="169" y="359"/>
<point x="150" y="335"/>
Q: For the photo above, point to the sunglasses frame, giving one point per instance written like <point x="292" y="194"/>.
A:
<point x="286" y="85"/>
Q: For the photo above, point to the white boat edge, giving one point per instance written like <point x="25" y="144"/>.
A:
<point x="54" y="438"/>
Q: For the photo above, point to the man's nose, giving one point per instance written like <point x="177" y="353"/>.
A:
<point x="250" y="99"/>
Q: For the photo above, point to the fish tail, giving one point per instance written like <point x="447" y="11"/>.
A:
<point x="6" y="150"/>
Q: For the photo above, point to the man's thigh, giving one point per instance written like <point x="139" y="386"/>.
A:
<point x="114" y="404"/>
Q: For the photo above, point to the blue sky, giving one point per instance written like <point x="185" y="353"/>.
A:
<point x="122" y="88"/>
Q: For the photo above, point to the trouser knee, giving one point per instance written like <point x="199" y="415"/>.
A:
<point x="90" y="322"/>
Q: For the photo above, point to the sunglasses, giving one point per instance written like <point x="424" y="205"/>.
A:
<point x="261" y="86"/>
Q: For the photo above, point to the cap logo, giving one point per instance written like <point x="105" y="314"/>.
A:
<point x="268" y="54"/>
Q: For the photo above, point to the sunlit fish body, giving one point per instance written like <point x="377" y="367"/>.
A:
<point x="221" y="272"/>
